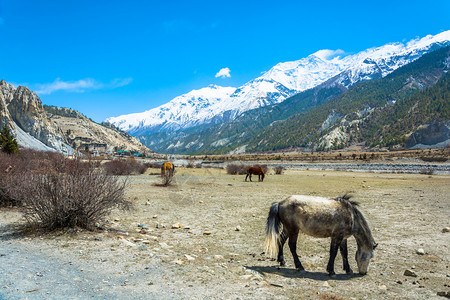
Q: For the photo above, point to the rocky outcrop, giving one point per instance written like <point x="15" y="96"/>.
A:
<point x="434" y="134"/>
<point x="63" y="130"/>
<point x="22" y="111"/>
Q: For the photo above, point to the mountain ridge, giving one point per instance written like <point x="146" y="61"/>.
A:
<point x="283" y="81"/>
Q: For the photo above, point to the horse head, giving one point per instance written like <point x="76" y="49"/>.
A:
<point x="363" y="256"/>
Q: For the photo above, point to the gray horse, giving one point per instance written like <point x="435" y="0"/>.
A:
<point x="337" y="218"/>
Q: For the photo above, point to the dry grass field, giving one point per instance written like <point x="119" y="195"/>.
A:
<point x="203" y="238"/>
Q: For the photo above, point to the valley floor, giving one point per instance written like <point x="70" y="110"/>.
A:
<point x="203" y="238"/>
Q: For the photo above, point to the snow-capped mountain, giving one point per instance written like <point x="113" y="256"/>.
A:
<point x="182" y="112"/>
<point x="215" y="104"/>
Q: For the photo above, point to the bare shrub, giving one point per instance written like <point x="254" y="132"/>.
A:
<point x="124" y="167"/>
<point x="236" y="169"/>
<point x="278" y="170"/>
<point x="80" y="196"/>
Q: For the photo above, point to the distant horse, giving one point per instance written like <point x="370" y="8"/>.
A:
<point x="255" y="171"/>
<point x="167" y="169"/>
<point x="337" y="218"/>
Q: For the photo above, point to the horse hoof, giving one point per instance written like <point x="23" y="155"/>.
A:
<point x="301" y="271"/>
<point x="350" y="272"/>
<point x="332" y="275"/>
<point x="282" y="264"/>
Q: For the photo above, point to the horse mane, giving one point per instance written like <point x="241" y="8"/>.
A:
<point x="363" y="229"/>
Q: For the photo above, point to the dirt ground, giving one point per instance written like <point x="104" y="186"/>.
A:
<point x="203" y="238"/>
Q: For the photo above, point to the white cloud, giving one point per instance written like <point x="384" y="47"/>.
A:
<point x="78" y="86"/>
<point x="224" y="72"/>
<point x="327" y="54"/>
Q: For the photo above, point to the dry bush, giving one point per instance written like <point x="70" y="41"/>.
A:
<point x="235" y="169"/>
<point x="153" y="165"/>
<point x="80" y="196"/>
<point x="278" y="170"/>
<point x="124" y="167"/>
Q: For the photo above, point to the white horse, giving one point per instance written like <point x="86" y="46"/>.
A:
<point x="337" y="218"/>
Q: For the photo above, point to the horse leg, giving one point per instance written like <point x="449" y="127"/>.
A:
<point x="246" y="177"/>
<point x="344" y="253"/>
<point x="250" y="176"/>
<point x="283" y="238"/>
<point x="335" y="243"/>
<point x="293" y="247"/>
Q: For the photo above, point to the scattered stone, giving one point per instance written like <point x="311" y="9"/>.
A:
<point x="188" y="257"/>
<point x="143" y="231"/>
<point x="178" y="262"/>
<point x="147" y="203"/>
<point x="383" y="274"/>
<point x="218" y="256"/>
<point x="159" y="226"/>
<point x="142" y="247"/>
<point x="145" y="242"/>
<point x="446" y="229"/>
<point x="201" y="201"/>
<point x="420" y="251"/>
<point x="276" y="284"/>
<point x="155" y="216"/>
<point x="207" y="232"/>
<point x="164" y="246"/>
<point x="187" y="227"/>
<point x="409" y="273"/>
<point x="238" y="228"/>
<point x="116" y="220"/>
<point x="176" y="225"/>
<point x="326" y="284"/>
<point x="128" y="243"/>
<point x="444" y="294"/>
<point x="382" y="287"/>
<point x="399" y="282"/>
<point x="137" y="240"/>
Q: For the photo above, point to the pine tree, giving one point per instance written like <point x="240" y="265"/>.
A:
<point x="8" y="143"/>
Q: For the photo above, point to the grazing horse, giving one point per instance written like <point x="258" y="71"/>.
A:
<point x="337" y="218"/>
<point x="255" y="171"/>
<point x="167" y="169"/>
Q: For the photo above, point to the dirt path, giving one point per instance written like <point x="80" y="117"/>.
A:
<point x="215" y="251"/>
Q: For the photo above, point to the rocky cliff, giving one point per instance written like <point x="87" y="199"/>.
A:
<point x="59" y="129"/>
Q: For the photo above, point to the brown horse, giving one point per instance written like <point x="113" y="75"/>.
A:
<point x="167" y="169"/>
<point x="337" y="218"/>
<point x="255" y="171"/>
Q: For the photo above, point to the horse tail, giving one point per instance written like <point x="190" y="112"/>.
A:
<point x="273" y="228"/>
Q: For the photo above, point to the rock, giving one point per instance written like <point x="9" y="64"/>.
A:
<point x="187" y="227"/>
<point x="178" y="262"/>
<point x="143" y="231"/>
<point x="446" y="229"/>
<point x="218" y="257"/>
<point x="188" y="257"/>
<point x="142" y="247"/>
<point x="238" y="228"/>
<point x="164" y="246"/>
<point x="159" y="226"/>
<point x="276" y="284"/>
<point x="420" y="251"/>
<point x="176" y="225"/>
<point x="382" y="287"/>
<point x="137" y="240"/>
<point x="399" y="282"/>
<point x="409" y="273"/>
<point x="326" y="284"/>
<point x="207" y="232"/>
<point x="145" y="242"/>
<point x="155" y="216"/>
<point x="147" y="203"/>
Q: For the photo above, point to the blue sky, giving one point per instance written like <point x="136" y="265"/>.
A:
<point x="107" y="58"/>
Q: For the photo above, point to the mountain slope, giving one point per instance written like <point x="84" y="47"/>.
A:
<point x="382" y="112"/>
<point x="276" y="85"/>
